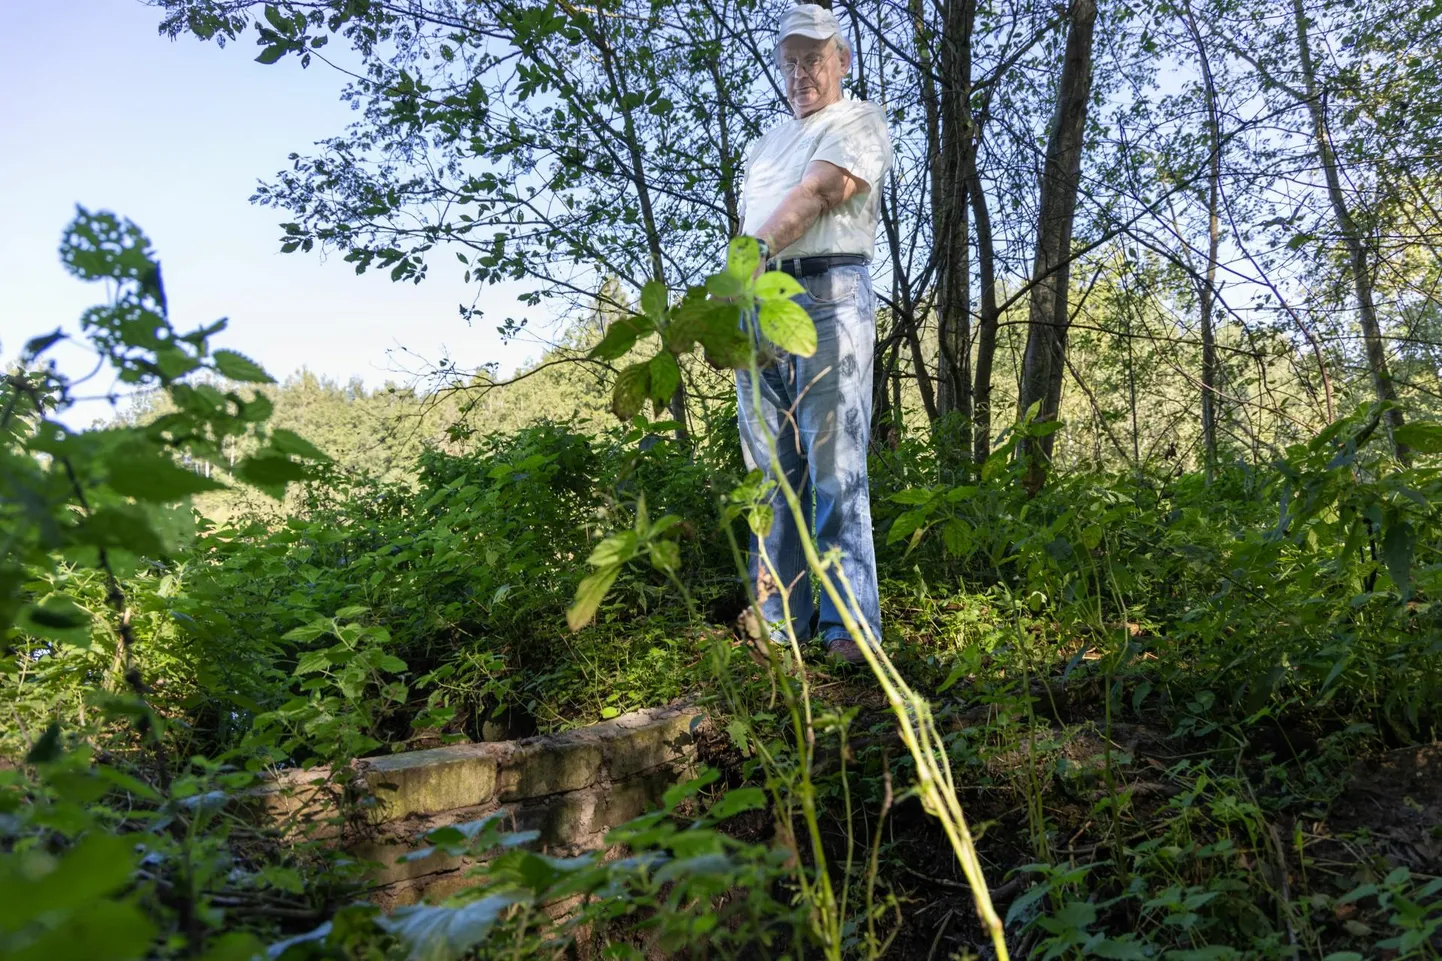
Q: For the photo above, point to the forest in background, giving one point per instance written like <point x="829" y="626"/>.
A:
<point x="1155" y="469"/>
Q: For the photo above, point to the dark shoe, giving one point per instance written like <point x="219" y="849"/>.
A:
<point x="845" y="649"/>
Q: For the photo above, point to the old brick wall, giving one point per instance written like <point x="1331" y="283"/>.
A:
<point x="571" y="787"/>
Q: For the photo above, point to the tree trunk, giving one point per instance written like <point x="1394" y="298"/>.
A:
<point x="953" y="293"/>
<point x="988" y="321"/>
<point x="1043" y="362"/>
<point x="1351" y="235"/>
<point x="1207" y="293"/>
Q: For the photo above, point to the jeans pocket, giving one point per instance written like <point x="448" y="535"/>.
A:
<point x="834" y="286"/>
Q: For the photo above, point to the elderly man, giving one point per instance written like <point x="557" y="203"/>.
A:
<point x="810" y="197"/>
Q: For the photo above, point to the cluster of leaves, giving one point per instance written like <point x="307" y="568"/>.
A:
<point x="726" y="318"/>
<point x="1312" y="583"/>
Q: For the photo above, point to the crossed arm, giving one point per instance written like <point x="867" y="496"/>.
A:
<point x="823" y="187"/>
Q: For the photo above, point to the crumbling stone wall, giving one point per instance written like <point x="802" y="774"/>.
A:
<point x="571" y="787"/>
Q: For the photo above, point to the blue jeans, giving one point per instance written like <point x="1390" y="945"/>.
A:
<point x="819" y="410"/>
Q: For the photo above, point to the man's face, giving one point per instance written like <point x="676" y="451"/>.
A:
<point x="813" y="70"/>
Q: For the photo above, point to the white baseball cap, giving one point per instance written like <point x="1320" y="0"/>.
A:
<point x="808" y="20"/>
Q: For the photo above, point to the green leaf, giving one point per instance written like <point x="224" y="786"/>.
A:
<point x="271" y="471"/>
<point x="905" y="525"/>
<point x="236" y="366"/>
<point x="653" y="299"/>
<point x="430" y="932"/>
<point x="58" y="618"/>
<point x="1397" y="545"/>
<point x="306" y="633"/>
<point x="725" y="285"/>
<point x="1118" y="950"/>
<point x="125" y="528"/>
<point x="743" y="256"/>
<point x="620" y="337"/>
<point x="1422" y="436"/>
<point x="98" y="865"/>
<point x="787" y="325"/>
<point x="113" y="930"/>
<point x="696" y="318"/>
<point x="147" y="474"/>
<point x="665" y="376"/>
<point x="633" y="386"/>
<point x="665" y="555"/>
<point x="235" y="946"/>
<point x="289" y="442"/>
<point x="47" y="747"/>
<point x="589" y="595"/>
<point x="913" y="496"/>
<point x="775" y="285"/>
<point x="616" y="549"/>
<point x="738" y="800"/>
<point x="271" y="53"/>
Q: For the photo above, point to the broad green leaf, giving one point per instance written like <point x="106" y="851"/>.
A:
<point x="234" y="946"/>
<point x="653" y="299"/>
<point x="589" y="595"/>
<point x="146" y="474"/>
<point x="47" y="747"/>
<point x="743" y="256"/>
<point x="271" y="54"/>
<point x="616" y="549"/>
<point x="433" y="932"/>
<point x="269" y="469"/>
<point x="665" y="555"/>
<point x="725" y="285"/>
<point x="697" y="317"/>
<point x="122" y="527"/>
<point x="1118" y="950"/>
<point x="774" y="285"/>
<point x="236" y="366"/>
<point x="97" y="866"/>
<point x="109" y="930"/>
<point x="1425" y="437"/>
<point x="289" y="442"/>
<point x="308" y="632"/>
<point x="738" y="800"/>
<point x="787" y="325"/>
<point x="633" y="386"/>
<point x="913" y="496"/>
<point x="621" y="336"/>
<point x="58" y="618"/>
<point x="956" y="536"/>
<point x="665" y="376"/>
<point x="907" y="524"/>
<point x="1398" y="542"/>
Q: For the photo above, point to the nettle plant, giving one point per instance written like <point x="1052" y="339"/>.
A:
<point x="740" y="318"/>
<point x="109" y="843"/>
<point x="737" y="319"/>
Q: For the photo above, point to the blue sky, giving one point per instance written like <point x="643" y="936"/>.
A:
<point x="100" y="110"/>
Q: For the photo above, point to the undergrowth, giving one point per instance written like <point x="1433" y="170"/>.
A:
<point x="1187" y="719"/>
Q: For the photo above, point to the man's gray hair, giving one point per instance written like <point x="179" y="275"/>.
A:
<point x="839" y="39"/>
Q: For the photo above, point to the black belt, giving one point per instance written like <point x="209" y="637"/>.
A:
<point x="811" y="266"/>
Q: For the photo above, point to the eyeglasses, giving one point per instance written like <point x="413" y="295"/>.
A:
<point x="808" y="65"/>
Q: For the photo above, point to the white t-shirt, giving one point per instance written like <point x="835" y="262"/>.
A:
<point x="852" y="135"/>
